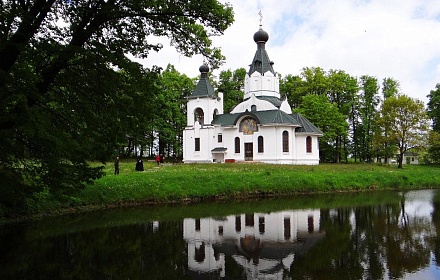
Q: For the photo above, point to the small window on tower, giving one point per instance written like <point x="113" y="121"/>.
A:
<point x="220" y="138"/>
<point x="197" y="144"/>
<point x="257" y="64"/>
<point x="253" y="108"/>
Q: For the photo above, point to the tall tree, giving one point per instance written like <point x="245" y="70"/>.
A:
<point x="434" y="114"/>
<point x="62" y="92"/>
<point x="170" y="110"/>
<point x="390" y="87"/>
<point x="369" y="100"/>
<point x="328" y="119"/>
<point x="291" y="86"/>
<point x="342" y="89"/>
<point x="314" y="81"/>
<point x="407" y="122"/>
<point x="232" y="85"/>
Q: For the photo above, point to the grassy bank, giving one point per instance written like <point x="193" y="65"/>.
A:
<point x="199" y="181"/>
<point x="194" y="182"/>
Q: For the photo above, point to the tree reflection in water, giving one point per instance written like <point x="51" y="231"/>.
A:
<point x="394" y="238"/>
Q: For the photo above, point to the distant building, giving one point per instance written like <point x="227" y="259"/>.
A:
<point x="261" y="128"/>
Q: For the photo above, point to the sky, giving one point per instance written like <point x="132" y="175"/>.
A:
<point x="397" y="39"/>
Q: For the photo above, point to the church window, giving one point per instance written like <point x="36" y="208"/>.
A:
<point x="260" y="144"/>
<point x="253" y="108"/>
<point x="199" y="254"/>
<point x="257" y="64"/>
<point x="237" y="145"/>
<point x="197" y="144"/>
<point x="287" y="230"/>
<point x="237" y="223"/>
<point x="261" y="225"/>
<point x="219" y="138"/>
<point x="215" y="113"/>
<point x="309" y="144"/>
<point x="197" y="225"/>
<point x="285" y="142"/>
<point x="199" y="115"/>
<point x="249" y="220"/>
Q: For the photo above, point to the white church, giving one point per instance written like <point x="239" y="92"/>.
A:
<point x="262" y="128"/>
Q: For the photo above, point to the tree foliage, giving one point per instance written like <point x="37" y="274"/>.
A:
<point x="170" y="110"/>
<point x="327" y="118"/>
<point x="368" y="102"/>
<point x="231" y="83"/>
<point x="406" y="121"/>
<point x="434" y="114"/>
<point x="69" y="93"/>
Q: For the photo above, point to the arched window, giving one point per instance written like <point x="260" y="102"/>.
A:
<point x="199" y="115"/>
<point x="309" y="144"/>
<point x="237" y="145"/>
<point x="215" y="113"/>
<point x="260" y="144"/>
<point x="253" y="108"/>
<point x="285" y="141"/>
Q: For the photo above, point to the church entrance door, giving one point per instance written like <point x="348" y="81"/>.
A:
<point x="248" y="151"/>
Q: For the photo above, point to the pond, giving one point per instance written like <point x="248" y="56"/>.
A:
<point x="375" y="235"/>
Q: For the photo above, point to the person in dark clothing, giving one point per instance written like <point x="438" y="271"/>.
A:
<point x="116" y="164"/>
<point x="162" y="159"/>
<point x="139" y="165"/>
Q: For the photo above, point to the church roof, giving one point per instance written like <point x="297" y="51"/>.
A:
<point x="272" y="99"/>
<point x="262" y="117"/>
<point x="270" y="117"/>
<point x="306" y="125"/>
<point x="261" y="62"/>
<point x="203" y="87"/>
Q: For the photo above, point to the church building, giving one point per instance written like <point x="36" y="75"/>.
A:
<point x="262" y="128"/>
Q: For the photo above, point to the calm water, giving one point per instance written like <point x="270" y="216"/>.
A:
<point x="386" y="235"/>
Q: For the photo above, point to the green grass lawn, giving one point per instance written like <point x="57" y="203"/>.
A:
<point x="185" y="182"/>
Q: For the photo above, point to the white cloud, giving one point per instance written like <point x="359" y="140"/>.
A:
<point x="397" y="39"/>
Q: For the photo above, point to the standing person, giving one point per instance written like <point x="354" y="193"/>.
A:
<point x="162" y="159"/>
<point x="158" y="159"/>
<point x="139" y="165"/>
<point x="116" y="166"/>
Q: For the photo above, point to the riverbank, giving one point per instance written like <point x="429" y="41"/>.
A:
<point x="184" y="183"/>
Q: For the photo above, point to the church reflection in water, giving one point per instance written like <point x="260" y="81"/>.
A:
<point x="263" y="244"/>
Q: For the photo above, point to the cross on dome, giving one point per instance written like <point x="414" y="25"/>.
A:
<point x="261" y="19"/>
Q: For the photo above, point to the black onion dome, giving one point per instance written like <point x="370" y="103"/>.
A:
<point x="204" y="68"/>
<point x="261" y="36"/>
<point x="261" y="62"/>
<point x="203" y="87"/>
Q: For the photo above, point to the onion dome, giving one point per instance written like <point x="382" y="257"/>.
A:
<point x="203" y="87"/>
<point x="261" y="36"/>
<point x="204" y="68"/>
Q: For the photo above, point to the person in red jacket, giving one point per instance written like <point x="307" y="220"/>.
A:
<point x="158" y="159"/>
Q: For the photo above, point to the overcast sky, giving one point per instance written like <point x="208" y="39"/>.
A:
<point x="381" y="38"/>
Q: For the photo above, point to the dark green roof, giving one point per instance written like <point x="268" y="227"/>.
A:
<point x="203" y="89"/>
<point x="270" y="117"/>
<point x="262" y="117"/>
<point x="261" y="62"/>
<point x="219" y="150"/>
<point x="272" y="99"/>
<point x="306" y="125"/>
